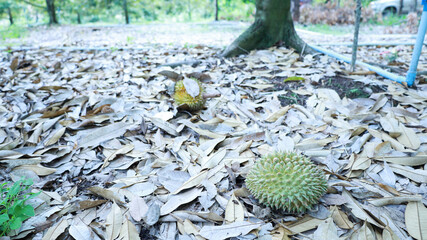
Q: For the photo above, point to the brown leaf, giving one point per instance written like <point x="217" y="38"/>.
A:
<point x="171" y="75"/>
<point x="55" y="112"/>
<point x="86" y="204"/>
<point x="14" y="64"/>
<point x="105" y="193"/>
<point x="341" y="219"/>
<point x="199" y="76"/>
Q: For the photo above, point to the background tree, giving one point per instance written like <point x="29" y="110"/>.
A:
<point x="6" y="7"/>
<point x="74" y="10"/>
<point x="114" y="11"/>
<point x="273" y="24"/>
<point x="125" y="10"/>
<point x="51" y="11"/>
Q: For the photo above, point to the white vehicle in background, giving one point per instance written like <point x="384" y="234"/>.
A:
<point x="388" y="7"/>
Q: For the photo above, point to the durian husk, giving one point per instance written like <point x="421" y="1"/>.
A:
<point x="186" y="101"/>
<point x="286" y="181"/>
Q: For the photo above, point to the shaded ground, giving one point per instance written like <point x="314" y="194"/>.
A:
<point x="345" y="87"/>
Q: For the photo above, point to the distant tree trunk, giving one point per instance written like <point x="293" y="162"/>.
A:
<point x="216" y="10"/>
<point x="125" y="9"/>
<point x="400" y="7"/>
<point x="9" y="12"/>
<point x="189" y="9"/>
<point x="273" y="24"/>
<point x="415" y="6"/>
<point x="50" y="6"/>
<point x="79" y="19"/>
<point x="295" y="15"/>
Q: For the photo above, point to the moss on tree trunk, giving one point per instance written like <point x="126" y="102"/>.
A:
<point x="273" y="24"/>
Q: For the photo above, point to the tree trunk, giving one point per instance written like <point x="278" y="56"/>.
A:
<point x="189" y="9"/>
<point x="216" y="10"/>
<point x="125" y="9"/>
<point x="400" y="7"/>
<point x="79" y="19"/>
<point x="9" y="11"/>
<point x="295" y="14"/>
<point x="50" y="6"/>
<point x="273" y="24"/>
<point x="415" y="6"/>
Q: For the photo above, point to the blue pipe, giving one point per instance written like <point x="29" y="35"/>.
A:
<point x="412" y="72"/>
<point x="346" y="59"/>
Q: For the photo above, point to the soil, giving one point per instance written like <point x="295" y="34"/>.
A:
<point x="345" y="87"/>
<point x="145" y="234"/>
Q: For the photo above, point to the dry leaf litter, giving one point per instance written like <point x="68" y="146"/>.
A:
<point x="101" y="137"/>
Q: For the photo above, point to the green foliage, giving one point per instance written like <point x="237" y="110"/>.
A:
<point x="393" y="20"/>
<point x="13" y="31"/>
<point x="236" y="10"/>
<point x="391" y="57"/>
<point x="327" y="29"/>
<point x="140" y="11"/>
<point x="13" y="210"/>
<point x="294" y="78"/>
<point x="130" y="40"/>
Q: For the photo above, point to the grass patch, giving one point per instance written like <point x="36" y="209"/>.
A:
<point x="390" y="20"/>
<point x="13" y="32"/>
<point x="393" y="20"/>
<point x="326" y="29"/>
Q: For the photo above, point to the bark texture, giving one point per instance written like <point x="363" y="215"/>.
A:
<point x="296" y="12"/>
<point x="50" y="7"/>
<point x="125" y="9"/>
<point x="9" y="12"/>
<point x="273" y="24"/>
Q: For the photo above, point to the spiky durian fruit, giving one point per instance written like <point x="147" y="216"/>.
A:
<point x="189" y="94"/>
<point x="286" y="181"/>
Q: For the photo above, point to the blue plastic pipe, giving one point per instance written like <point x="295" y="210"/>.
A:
<point x="412" y="72"/>
<point x="346" y="59"/>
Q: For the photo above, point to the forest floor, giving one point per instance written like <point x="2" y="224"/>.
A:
<point x="87" y="112"/>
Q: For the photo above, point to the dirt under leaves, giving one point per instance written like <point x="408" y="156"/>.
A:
<point x="345" y="87"/>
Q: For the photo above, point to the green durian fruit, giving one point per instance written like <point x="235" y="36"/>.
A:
<point x="193" y="101"/>
<point x="286" y="181"/>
